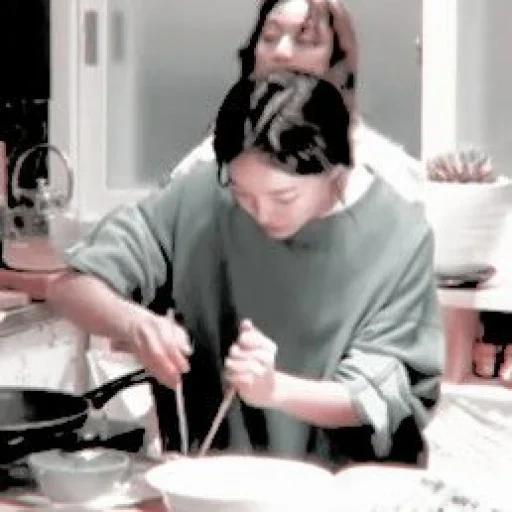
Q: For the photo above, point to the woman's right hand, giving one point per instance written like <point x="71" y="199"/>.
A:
<point x="161" y="345"/>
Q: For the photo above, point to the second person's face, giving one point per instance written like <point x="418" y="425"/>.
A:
<point x="290" y="41"/>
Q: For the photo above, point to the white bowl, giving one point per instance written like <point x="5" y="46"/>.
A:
<point x="79" y="477"/>
<point x="468" y="219"/>
<point x="238" y="483"/>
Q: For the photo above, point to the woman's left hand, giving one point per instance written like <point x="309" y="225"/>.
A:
<point x="250" y="366"/>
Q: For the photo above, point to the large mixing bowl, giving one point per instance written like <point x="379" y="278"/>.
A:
<point x="238" y="483"/>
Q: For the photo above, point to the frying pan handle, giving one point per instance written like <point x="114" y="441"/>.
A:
<point x="98" y="397"/>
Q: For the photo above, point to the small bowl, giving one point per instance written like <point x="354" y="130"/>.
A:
<point x="79" y="477"/>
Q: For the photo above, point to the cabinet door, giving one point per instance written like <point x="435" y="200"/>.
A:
<point x="390" y="68"/>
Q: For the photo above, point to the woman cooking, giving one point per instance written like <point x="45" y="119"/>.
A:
<point x="305" y="282"/>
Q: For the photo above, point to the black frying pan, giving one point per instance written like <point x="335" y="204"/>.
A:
<point x="34" y="419"/>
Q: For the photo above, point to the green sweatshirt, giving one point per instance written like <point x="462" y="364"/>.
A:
<point x="350" y="298"/>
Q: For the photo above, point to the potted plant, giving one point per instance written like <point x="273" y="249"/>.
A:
<point x="467" y="204"/>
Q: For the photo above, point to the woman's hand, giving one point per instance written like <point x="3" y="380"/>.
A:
<point x="250" y="366"/>
<point x="161" y="345"/>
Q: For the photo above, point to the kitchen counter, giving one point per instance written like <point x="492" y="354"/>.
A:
<point x="139" y="497"/>
<point x="393" y="486"/>
<point x="149" y="506"/>
<point x="35" y="284"/>
<point x="20" y="319"/>
<point x="39" y="348"/>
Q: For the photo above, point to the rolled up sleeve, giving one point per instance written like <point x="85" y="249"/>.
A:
<point x="394" y="366"/>
<point x="132" y="247"/>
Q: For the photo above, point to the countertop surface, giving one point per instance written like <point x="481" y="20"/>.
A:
<point x="149" y="506"/>
<point x="408" y="489"/>
<point x="21" y="318"/>
<point x="35" y="284"/>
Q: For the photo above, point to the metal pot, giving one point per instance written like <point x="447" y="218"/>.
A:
<point x="34" y="419"/>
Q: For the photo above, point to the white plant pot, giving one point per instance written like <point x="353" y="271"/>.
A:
<point x="468" y="220"/>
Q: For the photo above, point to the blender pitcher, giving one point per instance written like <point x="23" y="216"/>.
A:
<point x="34" y="238"/>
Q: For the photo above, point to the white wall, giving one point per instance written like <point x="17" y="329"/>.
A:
<point x="185" y="59"/>
<point x="467" y="81"/>
<point x="389" y="93"/>
<point x="485" y="79"/>
<point x="62" y="115"/>
<point x="471" y="84"/>
<point x="496" y="76"/>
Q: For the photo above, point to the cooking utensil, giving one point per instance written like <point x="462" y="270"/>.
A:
<point x="181" y="413"/>
<point x="244" y="483"/>
<point x="221" y="413"/>
<point x="182" y="419"/>
<point x="177" y="316"/>
<point x="34" y="419"/>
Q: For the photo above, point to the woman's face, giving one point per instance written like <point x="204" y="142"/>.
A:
<point x="280" y="203"/>
<point x="290" y="41"/>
